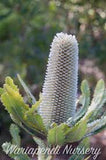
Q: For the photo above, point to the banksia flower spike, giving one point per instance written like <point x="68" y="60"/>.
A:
<point x="60" y="86"/>
<point x="57" y="104"/>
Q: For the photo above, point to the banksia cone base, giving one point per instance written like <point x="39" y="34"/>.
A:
<point x="60" y="86"/>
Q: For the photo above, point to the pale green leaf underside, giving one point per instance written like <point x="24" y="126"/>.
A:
<point x="14" y="131"/>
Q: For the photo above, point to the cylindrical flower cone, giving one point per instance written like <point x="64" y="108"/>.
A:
<point x="60" y="85"/>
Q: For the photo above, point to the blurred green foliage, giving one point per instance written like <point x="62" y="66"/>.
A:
<point x="27" y="28"/>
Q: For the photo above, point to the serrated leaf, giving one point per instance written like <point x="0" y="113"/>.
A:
<point x="34" y="120"/>
<point x="8" y="105"/>
<point x="64" y="134"/>
<point x="15" y="101"/>
<point x="97" y="122"/>
<point x="16" y="97"/>
<point x="98" y="95"/>
<point x="10" y="82"/>
<point x="56" y="135"/>
<point x="16" y="107"/>
<point x="96" y="126"/>
<point x="31" y="98"/>
<point x="98" y="98"/>
<point x="14" y="131"/>
<point x="84" y="100"/>
<point x="99" y="91"/>
<point x="99" y="129"/>
<point x="85" y="93"/>
<point x="77" y="132"/>
<point x="98" y="108"/>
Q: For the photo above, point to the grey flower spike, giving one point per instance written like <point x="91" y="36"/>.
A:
<point x="60" y="86"/>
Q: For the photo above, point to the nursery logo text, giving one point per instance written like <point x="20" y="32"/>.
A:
<point x="68" y="149"/>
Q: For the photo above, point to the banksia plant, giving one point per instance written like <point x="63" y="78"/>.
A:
<point x="60" y="86"/>
<point x="54" y="120"/>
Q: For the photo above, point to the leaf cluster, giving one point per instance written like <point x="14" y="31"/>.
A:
<point x="84" y="124"/>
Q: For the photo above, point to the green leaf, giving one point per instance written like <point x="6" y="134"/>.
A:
<point x="98" y="95"/>
<point x="1" y="91"/>
<point x="8" y="105"/>
<point x="34" y="120"/>
<point x="85" y="94"/>
<point x="98" y="109"/>
<point x="99" y="91"/>
<point x="56" y="135"/>
<point x="84" y="100"/>
<point x="22" y="157"/>
<point x="9" y="81"/>
<point x="77" y="132"/>
<point x="16" y="107"/>
<point x="64" y="134"/>
<point x="14" y="104"/>
<point x="15" y="101"/>
<point x="14" y="130"/>
<point x="39" y="142"/>
<point x="98" y="98"/>
<point x="35" y="106"/>
<point x="31" y="98"/>
<point x="18" y="110"/>
<point x="84" y="144"/>
<point x="96" y="126"/>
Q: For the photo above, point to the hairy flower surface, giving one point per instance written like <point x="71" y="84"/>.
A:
<point x="60" y="86"/>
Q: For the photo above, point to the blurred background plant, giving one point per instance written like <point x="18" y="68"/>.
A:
<point x="27" y="29"/>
